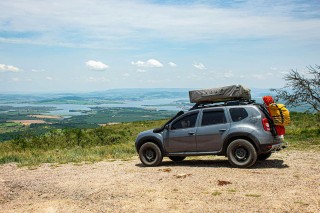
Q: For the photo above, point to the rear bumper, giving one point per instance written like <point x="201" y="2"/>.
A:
<point x="275" y="146"/>
<point x="270" y="147"/>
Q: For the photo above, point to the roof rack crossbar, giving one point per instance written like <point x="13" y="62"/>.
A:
<point x="226" y="103"/>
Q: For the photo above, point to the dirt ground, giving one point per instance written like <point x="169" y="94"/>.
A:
<point x="287" y="182"/>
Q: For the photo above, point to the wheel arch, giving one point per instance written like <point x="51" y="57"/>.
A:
<point x="149" y="139"/>
<point x="252" y="139"/>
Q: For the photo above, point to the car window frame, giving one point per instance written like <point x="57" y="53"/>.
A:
<point x="183" y="116"/>
<point x="213" y="110"/>
<point x="247" y="113"/>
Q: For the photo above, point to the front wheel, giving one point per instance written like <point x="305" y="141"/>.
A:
<point x="241" y="153"/>
<point x="150" y="154"/>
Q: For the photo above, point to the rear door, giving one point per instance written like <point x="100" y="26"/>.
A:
<point x="181" y="136"/>
<point x="212" y="129"/>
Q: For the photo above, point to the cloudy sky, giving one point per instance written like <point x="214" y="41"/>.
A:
<point x="90" y="45"/>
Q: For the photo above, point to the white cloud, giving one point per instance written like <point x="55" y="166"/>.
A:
<point x="259" y="76"/>
<point x="96" y="65"/>
<point x="149" y="63"/>
<point x="138" y="63"/>
<point x="196" y="21"/>
<point x="23" y="79"/>
<point x="171" y="64"/>
<point x="36" y="70"/>
<point x="9" y="68"/>
<point x="284" y="72"/>
<point x="97" y="79"/>
<point x="228" y="74"/>
<point x="199" y="66"/>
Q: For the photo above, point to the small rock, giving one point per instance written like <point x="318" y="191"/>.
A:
<point x="223" y="182"/>
<point x="165" y="170"/>
<point x="182" y="175"/>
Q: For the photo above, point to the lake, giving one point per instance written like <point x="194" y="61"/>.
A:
<point x="156" y="104"/>
<point x="169" y="104"/>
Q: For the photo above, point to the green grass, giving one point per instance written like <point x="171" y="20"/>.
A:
<point x="9" y="127"/>
<point x="253" y="195"/>
<point x="75" y="145"/>
<point x="216" y="193"/>
<point x="304" y="131"/>
<point x="77" y="154"/>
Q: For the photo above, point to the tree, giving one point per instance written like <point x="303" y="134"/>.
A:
<point x="301" y="90"/>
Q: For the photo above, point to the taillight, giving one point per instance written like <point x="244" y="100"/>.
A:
<point x="265" y="124"/>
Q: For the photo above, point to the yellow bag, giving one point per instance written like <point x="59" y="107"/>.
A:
<point x="280" y="114"/>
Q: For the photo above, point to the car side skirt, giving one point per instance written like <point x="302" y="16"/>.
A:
<point x="190" y="153"/>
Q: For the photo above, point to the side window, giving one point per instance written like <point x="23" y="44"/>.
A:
<point x="238" y="114"/>
<point x="213" y="117"/>
<point x="187" y="121"/>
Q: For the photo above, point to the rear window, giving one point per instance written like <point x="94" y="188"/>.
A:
<point x="213" y="117"/>
<point x="238" y="114"/>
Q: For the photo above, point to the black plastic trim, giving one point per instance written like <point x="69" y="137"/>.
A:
<point x="149" y="139"/>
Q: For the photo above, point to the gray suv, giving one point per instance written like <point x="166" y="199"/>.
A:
<point x="243" y="133"/>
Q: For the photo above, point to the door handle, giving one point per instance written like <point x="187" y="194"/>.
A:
<point x="222" y="130"/>
<point x="191" y="133"/>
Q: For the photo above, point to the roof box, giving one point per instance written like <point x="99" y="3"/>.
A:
<point x="221" y="94"/>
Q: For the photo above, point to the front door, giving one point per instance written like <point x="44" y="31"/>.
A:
<point x="181" y="136"/>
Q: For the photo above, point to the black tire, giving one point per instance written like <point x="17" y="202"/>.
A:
<point x="264" y="156"/>
<point x="177" y="158"/>
<point x="150" y="154"/>
<point x="241" y="153"/>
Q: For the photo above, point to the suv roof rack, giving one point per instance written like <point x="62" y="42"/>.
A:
<point x="217" y="104"/>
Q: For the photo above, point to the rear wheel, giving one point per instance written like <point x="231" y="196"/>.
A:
<point x="264" y="156"/>
<point x="177" y="158"/>
<point x="241" y="153"/>
<point x="150" y="154"/>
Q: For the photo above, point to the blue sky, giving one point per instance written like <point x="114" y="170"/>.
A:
<point x="90" y="45"/>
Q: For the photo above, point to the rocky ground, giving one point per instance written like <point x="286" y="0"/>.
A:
<point x="287" y="182"/>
